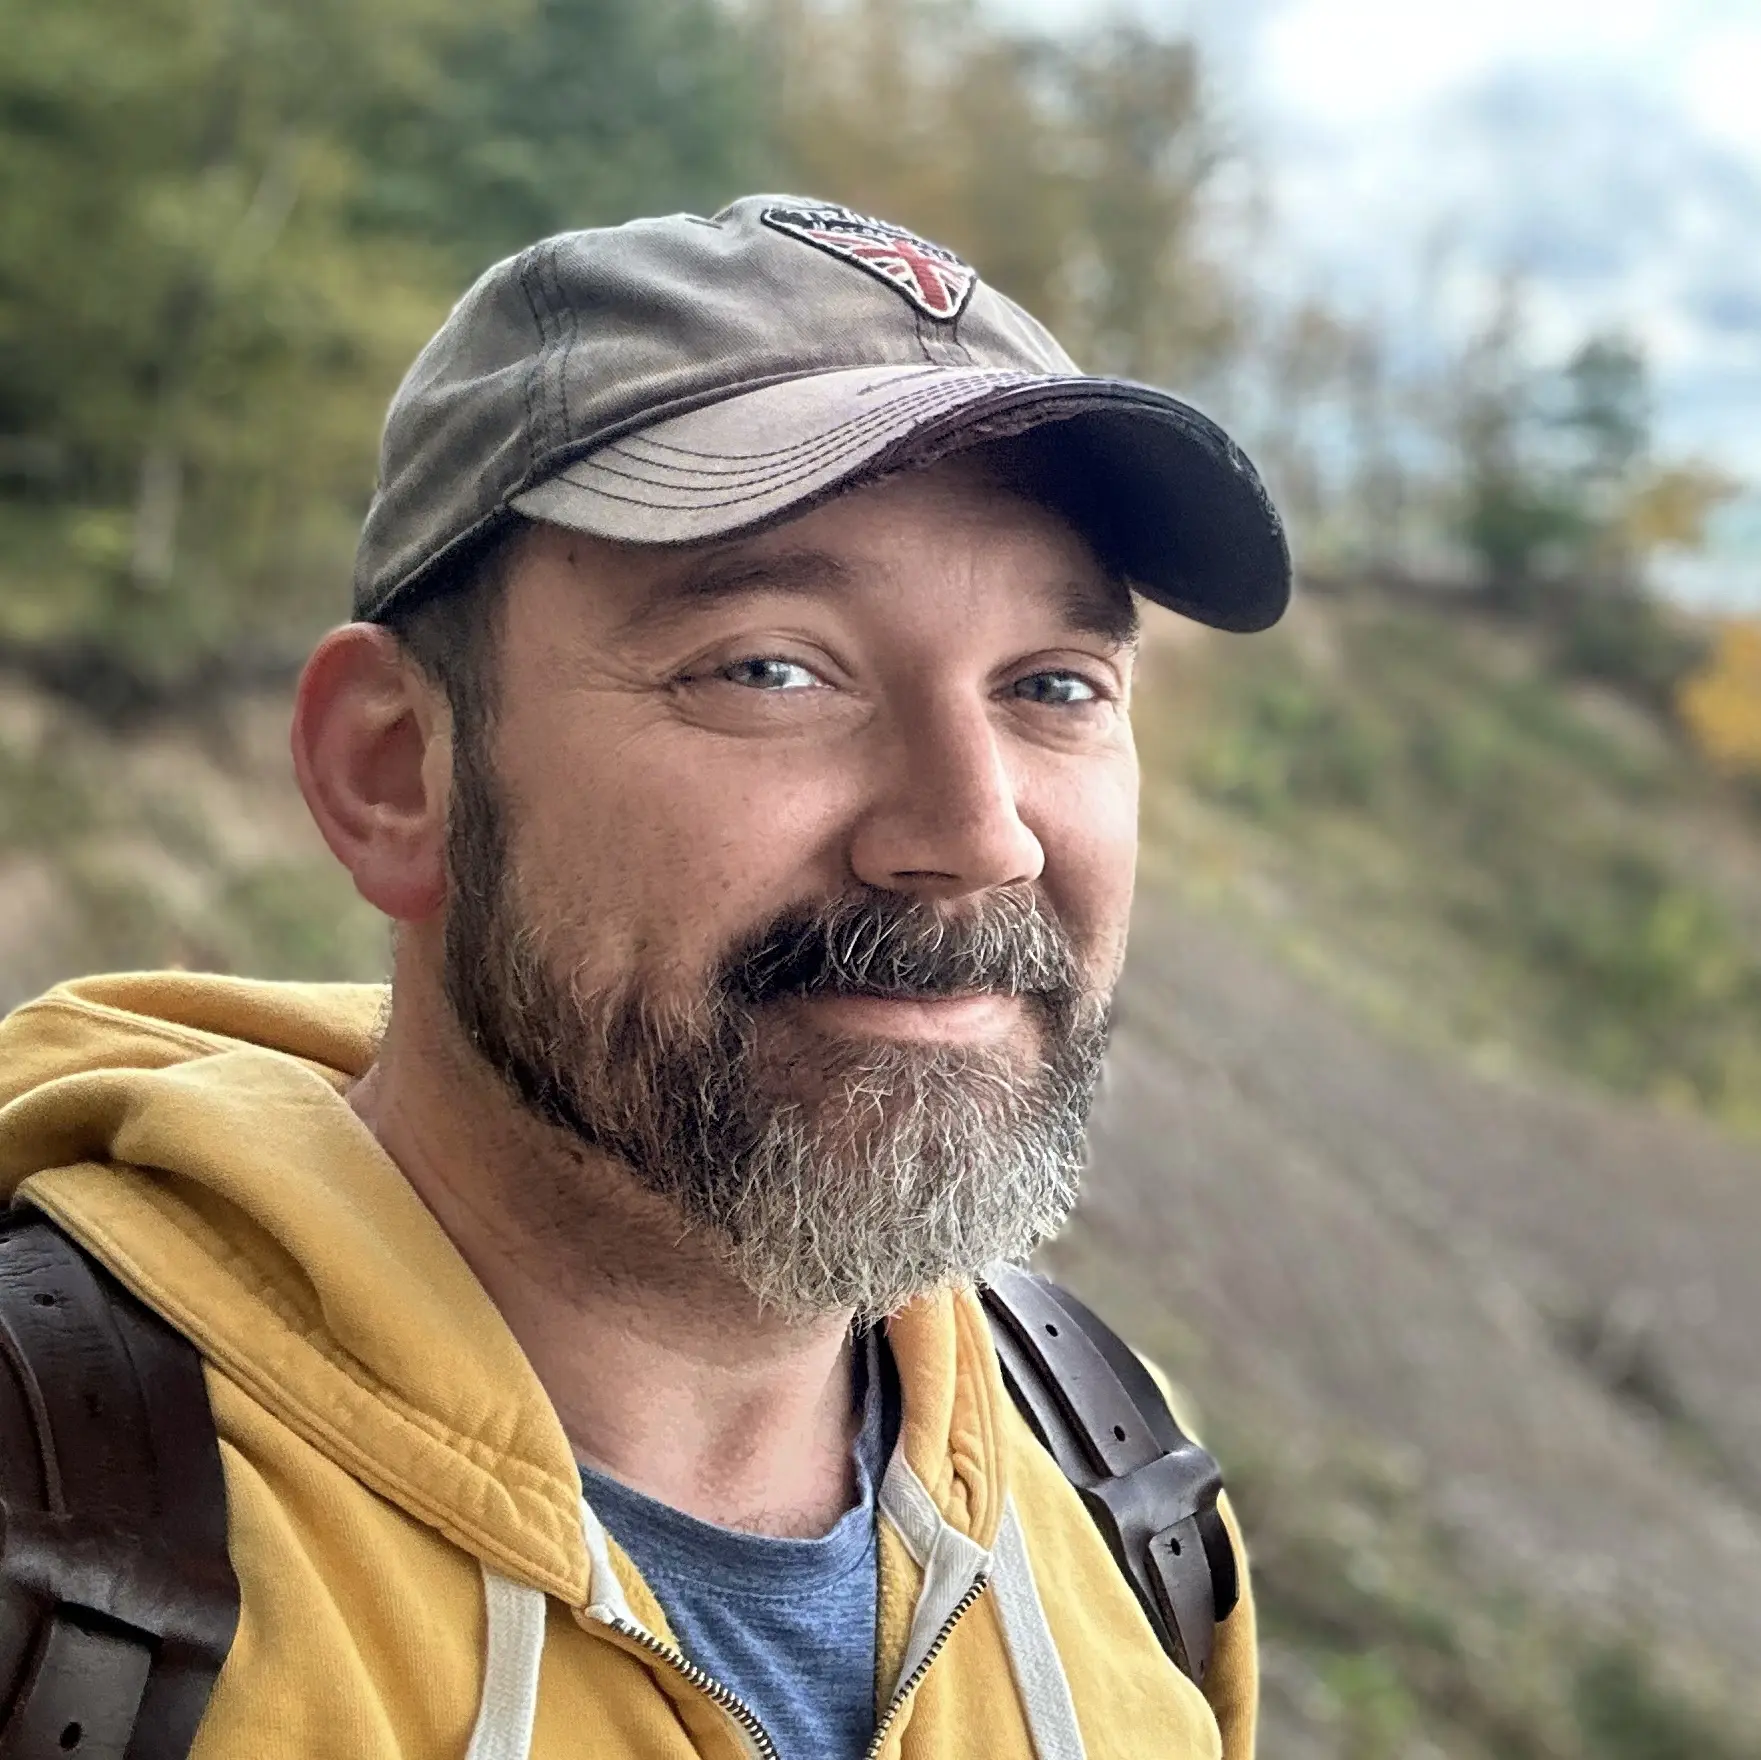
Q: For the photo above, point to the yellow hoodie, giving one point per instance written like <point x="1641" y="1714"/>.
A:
<point x="420" y="1575"/>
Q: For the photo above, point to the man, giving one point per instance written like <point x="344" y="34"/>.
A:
<point x="735" y="730"/>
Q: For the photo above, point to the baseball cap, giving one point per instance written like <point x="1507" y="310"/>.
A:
<point x="679" y="380"/>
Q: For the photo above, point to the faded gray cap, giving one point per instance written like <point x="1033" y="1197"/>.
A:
<point x="677" y="380"/>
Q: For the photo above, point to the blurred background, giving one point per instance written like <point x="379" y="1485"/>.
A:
<point x="1430" y="1158"/>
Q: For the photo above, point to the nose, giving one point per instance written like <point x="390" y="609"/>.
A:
<point x="945" y="819"/>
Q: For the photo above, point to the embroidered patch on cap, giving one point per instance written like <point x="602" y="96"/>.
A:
<point x="932" y="279"/>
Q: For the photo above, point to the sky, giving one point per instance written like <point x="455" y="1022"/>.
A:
<point x="1606" y="153"/>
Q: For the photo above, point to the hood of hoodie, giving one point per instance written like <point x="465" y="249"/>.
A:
<point x="193" y="1133"/>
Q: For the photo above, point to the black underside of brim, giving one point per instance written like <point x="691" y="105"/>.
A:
<point x="1162" y="494"/>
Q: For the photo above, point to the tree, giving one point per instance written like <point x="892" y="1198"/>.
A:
<point x="1073" y="173"/>
<point x="230" y="226"/>
<point x="1521" y="521"/>
<point x="587" y="113"/>
<point x="195" y="343"/>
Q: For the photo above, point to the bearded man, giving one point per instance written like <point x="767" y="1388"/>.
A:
<point x="735" y="729"/>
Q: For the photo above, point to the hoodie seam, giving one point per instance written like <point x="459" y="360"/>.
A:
<point x="210" y="1044"/>
<point x="254" y="1284"/>
<point x="529" y="1481"/>
<point x="973" y="1343"/>
<point x="170" y="1034"/>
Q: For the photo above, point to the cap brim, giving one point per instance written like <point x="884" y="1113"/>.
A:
<point x="1161" y="492"/>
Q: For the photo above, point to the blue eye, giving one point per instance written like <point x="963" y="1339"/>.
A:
<point x="1057" y="688"/>
<point x="766" y="673"/>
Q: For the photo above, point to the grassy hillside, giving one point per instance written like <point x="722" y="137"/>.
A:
<point x="171" y="843"/>
<point x="1399" y="795"/>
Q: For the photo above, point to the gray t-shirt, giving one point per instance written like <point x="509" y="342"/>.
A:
<point x="787" y="1625"/>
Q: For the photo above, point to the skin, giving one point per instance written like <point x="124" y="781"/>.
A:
<point x="910" y="687"/>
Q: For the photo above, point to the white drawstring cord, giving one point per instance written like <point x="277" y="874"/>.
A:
<point x="514" y="1648"/>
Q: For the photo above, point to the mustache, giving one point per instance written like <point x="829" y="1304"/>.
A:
<point x="880" y="944"/>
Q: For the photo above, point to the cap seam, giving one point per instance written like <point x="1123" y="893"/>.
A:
<point x="804" y="459"/>
<point x="760" y="466"/>
<point x="908" y="403"/>
<point x="559" y="458"/>
<point x="572" y="313"/>
<point x="528" y="262"/>
<point x="556" y="392"/>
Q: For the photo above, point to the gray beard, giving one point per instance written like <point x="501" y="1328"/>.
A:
<point x="828" y="1175"/>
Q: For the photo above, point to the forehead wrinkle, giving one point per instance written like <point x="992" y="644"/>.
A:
<point x="1104" y="608"/>
<point x="725" y="575"/>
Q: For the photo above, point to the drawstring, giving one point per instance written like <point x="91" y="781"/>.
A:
<point x="515" y="1619"/>
<point x="1033" y="1652"/>
<point x="515" y="1616"/>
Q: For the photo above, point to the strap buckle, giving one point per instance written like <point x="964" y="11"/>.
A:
<point x="1163" y="1556"/>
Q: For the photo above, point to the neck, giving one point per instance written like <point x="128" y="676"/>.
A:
<point x="665" y="1373"/>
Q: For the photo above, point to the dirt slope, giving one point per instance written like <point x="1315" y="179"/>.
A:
<point x="1541" y="1309"/>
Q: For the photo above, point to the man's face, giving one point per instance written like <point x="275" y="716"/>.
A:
<point x="794" y="874"/>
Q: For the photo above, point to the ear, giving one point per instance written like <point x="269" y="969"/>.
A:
<point x="372" y="749"/>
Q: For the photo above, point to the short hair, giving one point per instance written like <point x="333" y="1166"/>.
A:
<point x="452" y="630"/>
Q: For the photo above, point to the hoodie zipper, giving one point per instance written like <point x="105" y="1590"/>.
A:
<point x="909" y="1685"/>
<point x="758" y="1738"/>
<point x="742" y="1714"/>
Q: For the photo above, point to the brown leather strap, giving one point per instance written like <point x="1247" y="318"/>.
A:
<point x="115" y="1587"/>
<point x="1150" y="1489"/>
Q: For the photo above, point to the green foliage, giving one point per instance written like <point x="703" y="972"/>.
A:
<point x="230" y="226"/>
<point x="1607" y="410"/>
<point x="1627" y="1715"/>
<point x="1072" y="170"/>
<point x="195" y="344"/>
<point x="1560" y="503"/>
<point x="1519" y="528"/>
<point x="1623" y="637"/>
<point x="1290" y="745"/>
<point x="589" y="112"/>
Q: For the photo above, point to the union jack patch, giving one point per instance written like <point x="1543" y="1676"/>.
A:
<point x="932" y="279"/>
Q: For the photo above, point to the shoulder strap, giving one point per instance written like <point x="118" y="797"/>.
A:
<point x="1151" y="1489"/>
<point x="118" y="1602"/>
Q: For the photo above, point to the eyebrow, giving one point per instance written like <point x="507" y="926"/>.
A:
<point x="719" y="577"/>
<point x="1109" y="612"/>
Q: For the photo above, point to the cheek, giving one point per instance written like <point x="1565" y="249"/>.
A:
<point x="1088" y="829"/>
<point x="664" y="852"/>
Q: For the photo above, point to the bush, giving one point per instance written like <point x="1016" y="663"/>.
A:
<point x="1620" y="637"/>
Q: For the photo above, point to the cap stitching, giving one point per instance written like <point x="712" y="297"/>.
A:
<point x="528" y="265"/>
<point x="919" y="403"/>
<point x="784" y="481"/>
<point x="922" y="342"/>
<point x="1096" y="392"/>
<point x="740" y="464"/>
<point x="556" y="395"/>
<point x="878" y="414"/>
<point x="572" y="311"/>
<point x="632" y="422"/>
<point x="882" y="416"/>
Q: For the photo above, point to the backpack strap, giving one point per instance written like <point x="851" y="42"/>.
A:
<point x="1151" y="1490"/>
<point x="118" y="1602"/>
